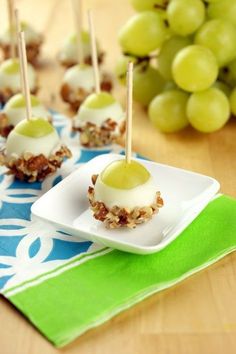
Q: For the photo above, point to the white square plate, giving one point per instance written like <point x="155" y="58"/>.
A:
<point x="185" y="194"/>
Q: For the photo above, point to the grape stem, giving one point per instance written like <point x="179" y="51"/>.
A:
<point x="139" y="60"/>
<point x="161" y="7"/>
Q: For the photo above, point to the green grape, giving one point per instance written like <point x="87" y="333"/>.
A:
<point x="121" y="67"/>
<point x="147" y="83"/>
<point x="208" y="110"/>
<point x="223" y="87"/>
<point x="185" y="16"/>
<point x="99" y="100"/>
<point x="232" y="101"/>
<point x="122" y="175"/>
<point x="143" y="33"/>
<point x="167" y="111"/>
<point x="85" y="37"/>
<point x="194" y="68"/>
<point x="217" y="33"/>
<point x="10" y="66"/>
<point x="167" y="54"/>
<point x="225" y="9"/>
<point x="34" y="128"/>
<point x="18" y="101"/>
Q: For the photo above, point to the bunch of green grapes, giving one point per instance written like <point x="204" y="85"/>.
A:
<point x="184" y="55"/>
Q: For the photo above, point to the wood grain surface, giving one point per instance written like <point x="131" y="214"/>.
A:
<point x="199" y="315"/>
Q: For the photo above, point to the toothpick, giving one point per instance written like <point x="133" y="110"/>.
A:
<point x="11" y="28"/>
<point x="94" y="52"/>
<point x="23" y="60"/>
<point x="77" y="10"/>
<point x="128" y="139"/>
<point x="18" y="29"/>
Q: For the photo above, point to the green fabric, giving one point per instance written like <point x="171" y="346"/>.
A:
<point x="84" y="296"/>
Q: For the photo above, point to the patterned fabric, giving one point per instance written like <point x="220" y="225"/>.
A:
<point x="29" y="247"/>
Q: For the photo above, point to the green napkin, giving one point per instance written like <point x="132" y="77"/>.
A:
<point x="87" y="292"/>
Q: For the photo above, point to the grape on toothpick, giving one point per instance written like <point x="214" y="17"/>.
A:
<point x="100" y="118"/>
<point x="8" y="42"/>
<point x="10" y="74"/>
<point x="124" y="193"/>
<point x="78" y="81"/>
<point x="68" y="55"/>
<point x="76" y="47"/>
<point x="14" y="112"/>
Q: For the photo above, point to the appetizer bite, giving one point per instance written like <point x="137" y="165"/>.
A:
<point x="10" y="69"/>
<point x="14" y="112"/>
<point x="68" y="54"/>
<point x="124" y="194"/>
<point x="78" y="81"/>
<point x="10" y="77"/>
<point x="33" y="149"/>
<point x="33" y="43"/>
<point x="100" y="120"/>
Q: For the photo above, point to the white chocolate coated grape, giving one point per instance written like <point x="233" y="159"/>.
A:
<point x="16" y="115"/>
<point x="69" y="49"/>
<point x="99" y="115"/>
<point x="77" y="77"/>
<point x="140" y="196"/>
<point x="31" y="36"/>
<point x="12" y="80"/>
<point x="18" y="144"/>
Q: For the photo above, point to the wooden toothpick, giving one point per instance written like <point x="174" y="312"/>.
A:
<point x="23" y="60"/>
<point x="129" y="108"/>
<point x="18" y="29"/>
<point x="11" y="28"/>
<point x="94" y="53"/>
<point x="77" y="10"/>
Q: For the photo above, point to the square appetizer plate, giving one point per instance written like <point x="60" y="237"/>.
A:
<point x="185" y="194"/>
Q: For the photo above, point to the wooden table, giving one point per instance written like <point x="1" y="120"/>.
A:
<point x="198" y="315"/>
